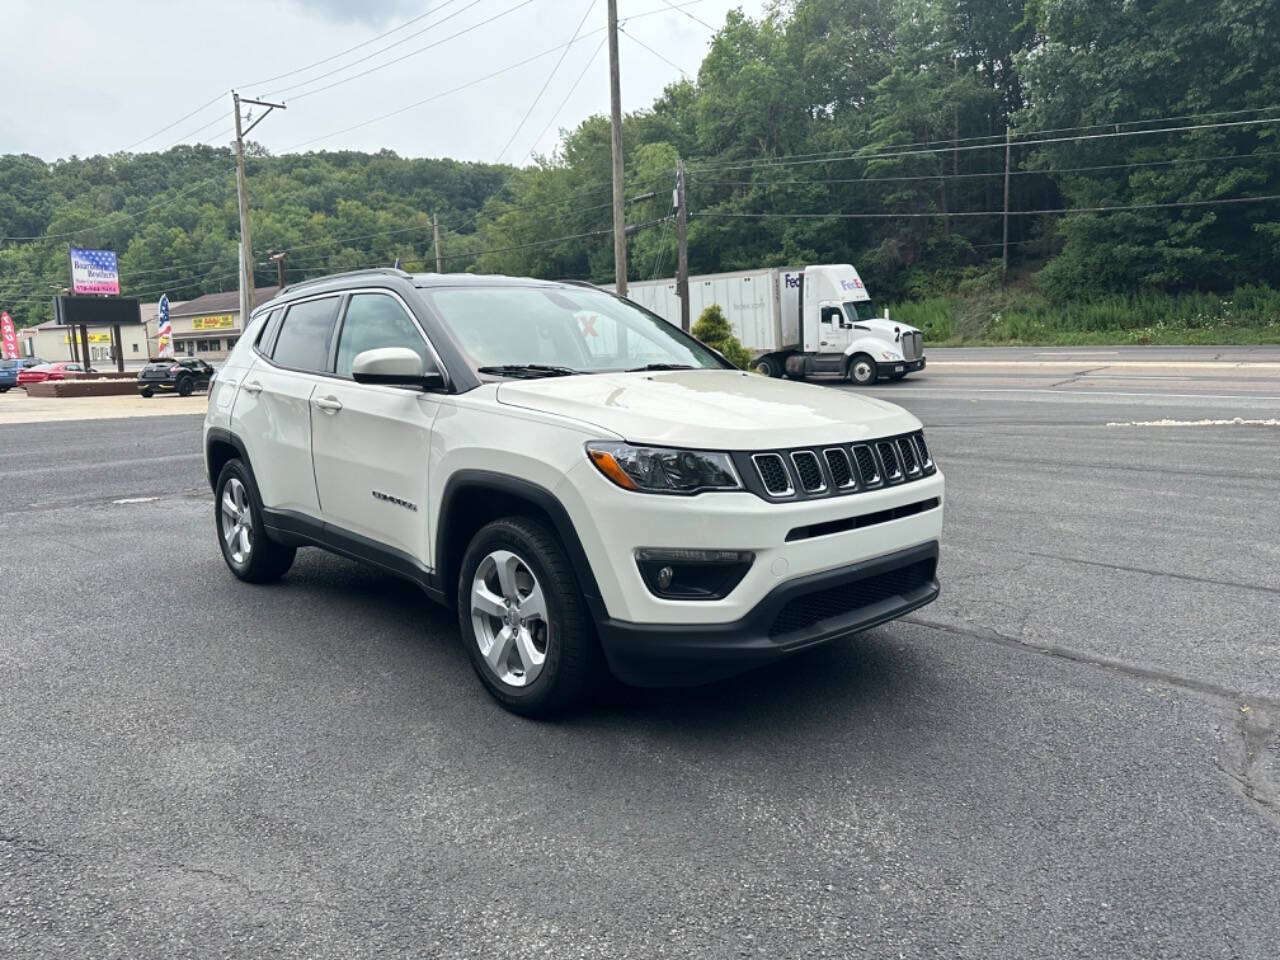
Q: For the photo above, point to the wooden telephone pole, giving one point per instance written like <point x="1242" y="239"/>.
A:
<point x="619" y="208"/>
<point x="246" y="248"/>
<point x="435" y="241"/>
<point x="682" y="246"/>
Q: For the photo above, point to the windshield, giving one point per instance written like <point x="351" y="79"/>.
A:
<point x="583" y="330"/>
<point x="866" y="310"/>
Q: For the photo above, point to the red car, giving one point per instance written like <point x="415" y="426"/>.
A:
<point x="47" y="371"/>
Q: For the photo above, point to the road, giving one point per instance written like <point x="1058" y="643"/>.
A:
<point x="1073" y="753"/>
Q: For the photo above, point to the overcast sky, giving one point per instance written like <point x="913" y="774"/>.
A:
<point x="94" y="77"/>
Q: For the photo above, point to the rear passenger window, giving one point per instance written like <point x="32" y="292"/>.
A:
<point x="374" y="320"/>
<point x="303" y="340"/>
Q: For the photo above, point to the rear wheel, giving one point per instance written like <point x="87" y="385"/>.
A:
<point x="862" y="370"/>
<point x="184" y="386"/>
<point x="523" y="620"/>
<point x="249" y="553"/>
<point x="769" y="366"/>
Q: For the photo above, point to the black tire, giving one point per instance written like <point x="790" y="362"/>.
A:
<point x="862" y="370"/>
<point x="267" y="561"/>
<point x="4" y="389"/>
<point x="147" y="393"/>
<point x="571" y="663"/>
<point x="184" y="386"/>
<point x="769" y="366"/>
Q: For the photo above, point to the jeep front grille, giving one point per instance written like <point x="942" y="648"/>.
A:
<point x="836" y="470"/>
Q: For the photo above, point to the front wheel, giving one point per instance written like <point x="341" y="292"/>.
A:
<point x="184" y="387"/>
<point x="523" y="619"/>
<point x="862" y="370"/>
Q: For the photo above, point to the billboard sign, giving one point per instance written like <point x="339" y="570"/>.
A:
<point x="94" y="271"/>
<point x="8" y="336"/>
<point x="96" y="311"/>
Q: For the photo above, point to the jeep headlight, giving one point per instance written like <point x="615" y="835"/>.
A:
<point x="664" y="469"/>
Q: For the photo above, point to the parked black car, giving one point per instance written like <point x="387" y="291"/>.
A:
<point x="184" y="375"/>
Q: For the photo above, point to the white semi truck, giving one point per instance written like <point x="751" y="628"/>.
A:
<point x="798" y="320"/>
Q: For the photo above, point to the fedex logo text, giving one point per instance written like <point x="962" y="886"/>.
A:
<point x="793" y="279"/>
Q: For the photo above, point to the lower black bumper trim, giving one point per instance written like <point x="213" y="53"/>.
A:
<point x="659" y="655"/>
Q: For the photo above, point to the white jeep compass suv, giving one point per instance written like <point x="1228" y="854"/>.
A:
<point x="588" y="485"/>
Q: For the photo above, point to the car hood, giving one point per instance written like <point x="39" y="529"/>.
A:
<point x="716" y="409"/>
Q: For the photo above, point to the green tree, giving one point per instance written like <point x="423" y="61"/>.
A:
<point x="713" y="329"/>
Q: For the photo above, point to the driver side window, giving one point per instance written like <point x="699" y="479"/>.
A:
<point x="831" y="315"/>
<point x="375" y="320"/>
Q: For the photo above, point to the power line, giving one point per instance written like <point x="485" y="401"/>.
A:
<point x="187" y="116"/>
<point x="546" y="83"/>
<point x="691" y="16"/>
<point x="411" y="53"/>
<point x="948" y="146"/>
<point x="342" y="53"/>
<point x="636" y="40"/>
<point x="986" y="213"/>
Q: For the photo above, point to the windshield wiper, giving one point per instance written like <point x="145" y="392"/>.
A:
<point x="528" y="370"/>
<point x="660" y="366"/>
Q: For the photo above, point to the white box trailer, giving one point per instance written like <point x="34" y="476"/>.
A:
<point x="797" y="320"/>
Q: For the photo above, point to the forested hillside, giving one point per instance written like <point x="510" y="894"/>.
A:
<point x="871" y="131"/>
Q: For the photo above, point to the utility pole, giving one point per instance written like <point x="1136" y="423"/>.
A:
<point x="615" y="107"/>
<point x="246" y="248"/>
<point x="279" y="261"/>
<point x="1004" y="268"/>
<point x="435" y="241"/>
<point x="682" y="245"/>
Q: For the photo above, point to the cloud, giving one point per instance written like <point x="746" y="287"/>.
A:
<point x="375" y="12"/>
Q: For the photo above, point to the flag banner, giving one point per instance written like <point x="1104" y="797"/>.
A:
<point x="94" y="271"/>
<point x="8" y="337"/>
<point x="164" y="329"/>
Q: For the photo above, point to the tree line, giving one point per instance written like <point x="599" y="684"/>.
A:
<point x="870" y="131"/>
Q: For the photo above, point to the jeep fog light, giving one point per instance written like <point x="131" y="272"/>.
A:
<point x="692" y="574"/>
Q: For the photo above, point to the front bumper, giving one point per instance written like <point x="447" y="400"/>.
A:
<point x="795" y="615"/>
<point x="902" y="366"/>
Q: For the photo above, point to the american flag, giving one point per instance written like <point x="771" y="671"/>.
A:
<point x="164" y="329"/>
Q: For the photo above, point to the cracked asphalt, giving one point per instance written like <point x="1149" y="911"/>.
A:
<point x="1073" y="753"/>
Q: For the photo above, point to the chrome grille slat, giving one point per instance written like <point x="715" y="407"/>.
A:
<point x="773" y="474"/>
<point x="867" y="466"/>
<point x="808" y="471"/>
<point x="910" y="462"/>
<point x="887" y="451"/>
<point x="841" y="468"/>
<point x="926" y="459"/>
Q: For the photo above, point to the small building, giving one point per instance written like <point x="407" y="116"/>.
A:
<point x="209" y="326"/>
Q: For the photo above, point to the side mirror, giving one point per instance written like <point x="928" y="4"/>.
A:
<point x="395" y="367"/>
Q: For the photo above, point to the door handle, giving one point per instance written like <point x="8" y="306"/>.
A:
<point x="328" y="404"/>
<point x="253" y="386"/>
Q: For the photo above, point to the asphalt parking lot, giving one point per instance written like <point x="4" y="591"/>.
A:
<point x="1075" y="752"/>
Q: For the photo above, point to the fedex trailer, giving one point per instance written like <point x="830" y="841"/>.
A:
<point x="798" y="321"/>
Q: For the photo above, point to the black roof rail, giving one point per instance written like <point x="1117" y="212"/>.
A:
<point x="382" y="271"/>
<point x="580" y="283"/>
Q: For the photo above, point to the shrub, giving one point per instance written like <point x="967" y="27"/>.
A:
<point x="713" y="329"/>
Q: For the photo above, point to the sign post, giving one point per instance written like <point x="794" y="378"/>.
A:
<point x="8" y="336"/>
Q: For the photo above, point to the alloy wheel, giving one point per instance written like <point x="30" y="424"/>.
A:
<point x="509" y="617"/>
<point x="237" y="522"/>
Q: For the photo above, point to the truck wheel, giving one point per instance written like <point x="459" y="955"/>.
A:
<point x="523" y="620"/>
<point x="184" y="387"/>
<point x="862" y="370"/>
<point x="769" y="366"/>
